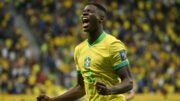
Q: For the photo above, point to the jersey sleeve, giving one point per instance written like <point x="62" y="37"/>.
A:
<point x="76" y="60"/>
<point x="118" y="55"/>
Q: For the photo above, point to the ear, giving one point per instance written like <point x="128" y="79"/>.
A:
<point x="101" y="19"/>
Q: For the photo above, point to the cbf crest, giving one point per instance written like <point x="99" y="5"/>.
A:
<point x="87" y="62"/>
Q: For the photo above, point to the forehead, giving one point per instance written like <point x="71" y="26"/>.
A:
<point x="90" y="7"/>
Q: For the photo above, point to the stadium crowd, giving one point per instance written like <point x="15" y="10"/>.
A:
<point x="149" y="28"/>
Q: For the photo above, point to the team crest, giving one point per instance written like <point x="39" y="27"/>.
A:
<point x="87" y="62"/>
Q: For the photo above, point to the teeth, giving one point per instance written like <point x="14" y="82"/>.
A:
<point x="85" y="19"/>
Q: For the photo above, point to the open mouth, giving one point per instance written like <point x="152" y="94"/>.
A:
<point x="85" y="22"/>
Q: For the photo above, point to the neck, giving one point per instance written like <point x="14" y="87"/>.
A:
<point x="93" y="36"/>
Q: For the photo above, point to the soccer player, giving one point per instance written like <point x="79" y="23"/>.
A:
<point x="102" y="66"/>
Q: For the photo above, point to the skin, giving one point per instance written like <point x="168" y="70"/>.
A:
<point x="94" y="28"/>
<point x="96" y="18"/>
<point x="120" y="88"/>
<point x="130" y="95"/>
<point x="73" y="94"/>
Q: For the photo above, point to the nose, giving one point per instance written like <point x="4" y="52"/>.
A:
<point x="85" y="13"/>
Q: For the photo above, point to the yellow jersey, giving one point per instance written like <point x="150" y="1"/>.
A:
<point x="98" y="62"/>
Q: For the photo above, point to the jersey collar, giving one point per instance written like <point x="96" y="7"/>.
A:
<point x="100" y="38"/>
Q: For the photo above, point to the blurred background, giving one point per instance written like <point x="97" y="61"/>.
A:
<point x="38" y="37"/>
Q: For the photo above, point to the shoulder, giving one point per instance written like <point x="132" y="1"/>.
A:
<point x="80" y="46"/>
<point x="111" y="39"/>
<point x="114" y="44"/>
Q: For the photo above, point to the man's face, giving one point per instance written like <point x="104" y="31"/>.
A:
<point x="90" y="18"/>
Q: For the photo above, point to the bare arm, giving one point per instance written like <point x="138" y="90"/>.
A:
<point x="74" y="93"/>
<point x="71" y="95"/>
<point x="130" y="95"/>
<point x="123" y="87"/>
<point x="126" y="83"/>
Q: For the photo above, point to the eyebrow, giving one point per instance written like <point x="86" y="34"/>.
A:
<point x="91" y="10"/>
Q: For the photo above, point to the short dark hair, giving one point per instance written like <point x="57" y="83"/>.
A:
<point x="100" y="7"/>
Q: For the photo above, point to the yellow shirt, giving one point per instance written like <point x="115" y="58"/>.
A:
<point x="98" y="62"/>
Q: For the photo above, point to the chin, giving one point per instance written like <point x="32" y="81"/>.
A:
<point x="85" y="30"/>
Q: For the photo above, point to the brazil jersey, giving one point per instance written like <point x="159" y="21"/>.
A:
<point x="97" y="62"/>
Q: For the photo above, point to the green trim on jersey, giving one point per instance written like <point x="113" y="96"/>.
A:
<point x="121" y="65"/>
<point x="100" y="38"/>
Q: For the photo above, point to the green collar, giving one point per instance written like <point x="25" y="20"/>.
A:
<point x="100" y="38"/>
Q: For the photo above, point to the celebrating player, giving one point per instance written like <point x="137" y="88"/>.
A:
<point x="102" y="66"/>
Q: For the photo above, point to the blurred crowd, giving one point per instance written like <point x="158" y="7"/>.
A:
<point x="13" y="51"/>
<point x="149" y="28"/>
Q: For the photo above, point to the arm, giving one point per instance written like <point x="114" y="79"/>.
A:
<point x="123" y="87"/>
<point x="126" y="84"/>
<point x="73" y="94"/>
<point x="130" y="95"/>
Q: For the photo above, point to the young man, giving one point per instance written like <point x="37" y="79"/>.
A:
<point x="102" y="65"/>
